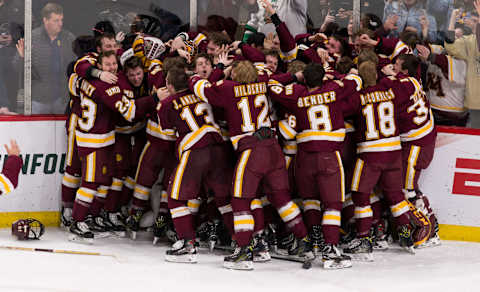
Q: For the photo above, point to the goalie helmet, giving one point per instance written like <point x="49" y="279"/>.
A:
<point x="25" y="229"/>
<point x="148" y="47"/>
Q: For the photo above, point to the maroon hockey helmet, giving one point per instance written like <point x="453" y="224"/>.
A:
<point x="29" y="228"/>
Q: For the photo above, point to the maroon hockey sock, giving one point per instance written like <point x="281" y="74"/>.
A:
<point x="258" y="216"/>
<point x="112" y="201"/>
<point x="225" y="208"/>
<point x="182" y="219"/>
<point x="243" y="221"/>
<point x="68" y="196"/>
<point x="312" y="218"/>
<point x="80" y="210"/>
<point x="377" y="209"/>
<point x="125" y="196"/>
<point x="96" y="206"/>
<point x="347" y="214"/>
<point x="289" y="212"/>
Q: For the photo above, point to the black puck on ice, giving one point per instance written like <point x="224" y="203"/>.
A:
<point x="307" y="265"/>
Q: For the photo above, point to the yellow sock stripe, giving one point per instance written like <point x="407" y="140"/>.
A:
<point x="363" y="212"/>
<point x="311" y="205"/>
<point x="179" y="212"/>
<point x="255" y="204"/>
<point x="243" y="222"/>
<point x="289" y="211"/>
<point x="85" y="195"/>
<point x="331" y="217"/>
<point x="399" y="208"/>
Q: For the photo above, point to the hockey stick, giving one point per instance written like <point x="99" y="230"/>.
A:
<point x="59" y="251"/>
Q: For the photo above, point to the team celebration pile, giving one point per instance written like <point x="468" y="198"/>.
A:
<point x="284" y="144"/>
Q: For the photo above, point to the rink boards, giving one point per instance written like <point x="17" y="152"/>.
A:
<point x="452" y="182"/>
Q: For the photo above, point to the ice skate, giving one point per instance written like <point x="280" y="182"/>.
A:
<point x="260" y="249"/>
<point x="316" y="237"/>
<point x="97" y="226"/>
<point x="213" y="228"/>
<point x="66" y="218"/>
<point x="133" y="223"/>
<point x="333" y="259"/>
<point x="360" y="249"/>
<point x="240" y="259"/>
<point x="80" y="232"/>
<point x="113" y="221"/>
<point x="160" y="227"/>
<point x="405" y="238"/>
<point x="380" y="237"/>
<point x="271" y="237"/>
<point x="182" y="251"/>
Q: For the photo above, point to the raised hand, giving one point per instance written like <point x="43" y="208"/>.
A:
<point x="13" y="150"/>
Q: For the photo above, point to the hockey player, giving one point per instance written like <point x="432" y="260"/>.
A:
<point x="318" y="167"/>
<point x="260" y="157"/>
<point x="379" y="160"/>
<point x="84" y="67"/>
<point x="417" y="133"/>
<point x="95" y="136"/>
<point x="202" y="160"/>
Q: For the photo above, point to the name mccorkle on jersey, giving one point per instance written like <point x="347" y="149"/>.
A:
<point x="250" y="89"/>
<point x="377" y="96"/>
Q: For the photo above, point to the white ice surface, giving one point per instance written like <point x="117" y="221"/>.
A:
<point x="453" y="266"/>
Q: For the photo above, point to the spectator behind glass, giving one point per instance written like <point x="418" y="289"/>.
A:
<point x="412" y="17"/>
<point x="466" y="48"/>
<point x="51" y="54"/>
<point x="11" y="12"/>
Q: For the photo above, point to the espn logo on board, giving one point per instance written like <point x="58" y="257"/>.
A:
<point x="466" y="180"/>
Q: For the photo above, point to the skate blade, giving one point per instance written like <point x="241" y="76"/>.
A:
<point x="243" y="265"/>
<point x="381" y="245"/>
<point x="78" y="239"/>
<point x="409" y="249"/>
<point x="432" y="242"/>
<point x="362" y="257"/>
<point x="133" y="235"/>
<point x="211" y="246"/>
<point x="120" y="234"/>
<point x="187" y="259"/>
<point x="105" y="234"/>
<point x="262" y="257"/>
<point x="156" y="240"/>
<point x="336" y="264"/>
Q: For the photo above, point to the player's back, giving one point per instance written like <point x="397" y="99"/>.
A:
<point x="376" y="120"/>
<point x="192" y="119"/>
<point x="246" y="108"/>
<point x="415" y="119"/>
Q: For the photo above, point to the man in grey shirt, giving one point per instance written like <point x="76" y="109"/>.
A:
<point x="292" y="12"/>
<point x="51" y="53"/>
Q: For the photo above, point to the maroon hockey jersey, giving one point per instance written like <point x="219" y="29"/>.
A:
<point x="191" y="118"/>
<point x="100" y="102"/>
<point x="319" y="118"/>
<point x="374" y="110"/>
